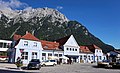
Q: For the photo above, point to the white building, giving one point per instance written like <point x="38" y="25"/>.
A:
<point x="91" y="53"/>
<point x="98" y="54"/>
<point x="65" y="50"/>
<point x="70" y="47"/>
<point x="27" y="47"/>
<point x="4" y="47"/>
<point x="86" y="56"/>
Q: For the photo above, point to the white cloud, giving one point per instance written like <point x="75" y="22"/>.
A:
<point x="59" y="7"/>
<point x="12" y="4"/>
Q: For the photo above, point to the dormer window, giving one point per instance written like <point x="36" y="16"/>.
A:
<point x="25" y="43"/>
<point x="75" y="49"/>
<point x="67" y="48"/>
<point x="97" y="50"/>
<point x="35" y="44"/>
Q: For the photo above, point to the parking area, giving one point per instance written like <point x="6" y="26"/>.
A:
<point x="67" y="68"/>
<point x="74" y="68"/>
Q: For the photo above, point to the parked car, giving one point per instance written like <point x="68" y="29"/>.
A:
<point x="116" y="65"/>
<point x="34" y="63"/>
<point x="104" y="63"/>
<point x="49" y="63"/>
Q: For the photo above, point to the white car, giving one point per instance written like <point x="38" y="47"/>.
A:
<point x="49" y="63"/>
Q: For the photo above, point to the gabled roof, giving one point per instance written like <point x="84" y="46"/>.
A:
<point x="47" y="45"/>
<point x="63" y="40"/>
<point x="92" y="47"/>
<point x="96" y="47"/>
<point x="85" y="49"/>
<point x="29" y="36"/>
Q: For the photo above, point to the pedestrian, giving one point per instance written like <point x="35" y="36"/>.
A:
<point x="19" y="63"/>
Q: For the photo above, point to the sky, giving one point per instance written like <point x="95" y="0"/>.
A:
<point x="100" y="17"/>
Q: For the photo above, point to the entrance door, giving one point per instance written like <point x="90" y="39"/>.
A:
<point x="25" y="57"/>
<point x="74" y="60"/>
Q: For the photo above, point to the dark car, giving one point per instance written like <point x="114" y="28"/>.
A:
<point x="34" y="64"/>
<point x="116" y="65"/>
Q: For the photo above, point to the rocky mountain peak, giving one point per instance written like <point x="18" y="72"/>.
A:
<point x="30" y="13"/>
<point x="46" y="24"/>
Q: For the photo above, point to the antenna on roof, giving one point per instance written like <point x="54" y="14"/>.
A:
<point x="27" y="32"/>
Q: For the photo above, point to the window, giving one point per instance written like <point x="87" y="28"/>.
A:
<point x="96" y="50"/>
<point x="75" y="49"/>
<point x="25" y="55"/>
<point x="85" y="57"/>
<point x="56" y="55"/>
<point x="67" y="48"/>
<point x="25" y="43"/>
<point x="8" y="45"/>
<point x="70" y="49"/>
<point x="35" y="44"/>
<point x="4" y="45"/>
<point x="1" y="44"/>
<point x="92" y="57"/>
<point x="49" y="54"/>
<point x="104" y="58"/>
<point x="100" y="51"/>
<point x="43" y="54"/>
<point x="34" y="55"/>
<point x="80" y="57"/>
<point x="60" y="55"/>
<point x="100" y="58"/>
<point x="88" y="57"/>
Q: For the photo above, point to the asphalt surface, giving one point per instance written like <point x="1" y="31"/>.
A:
<point x="73" y="68"/>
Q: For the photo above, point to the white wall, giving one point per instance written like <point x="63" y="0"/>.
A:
<point x="98" y="54"/>
<point x="29" y="48"/>
<point x="5" y="47"/>
<point x="53" y="52"/>
<point x="87" y="58"/>
<point x="71" y="44"/>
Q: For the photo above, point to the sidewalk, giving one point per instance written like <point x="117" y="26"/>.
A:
<point x="8" y="66"/>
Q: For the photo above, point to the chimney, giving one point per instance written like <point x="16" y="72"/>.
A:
<point x="27" y="32"/>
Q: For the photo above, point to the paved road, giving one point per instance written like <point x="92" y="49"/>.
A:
<point x="9" y="71"/>
<point x="74" y="68"/>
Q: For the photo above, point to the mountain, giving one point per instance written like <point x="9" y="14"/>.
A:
<point x="46" y="24"/>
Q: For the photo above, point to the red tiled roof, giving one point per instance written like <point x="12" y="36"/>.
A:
<point x="85" y="49"/>
<point x="92" y="47"/>
<point x="96" y="47"/>
<point x="49" y="45"/>
<point x="29" y="36"/>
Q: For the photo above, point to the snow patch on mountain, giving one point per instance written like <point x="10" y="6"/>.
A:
<point x="29" y="13"/>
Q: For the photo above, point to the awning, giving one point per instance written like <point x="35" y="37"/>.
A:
<point x="72" y="56"/>
<point x="53" y="57"/>
<point x="64" y="57"/>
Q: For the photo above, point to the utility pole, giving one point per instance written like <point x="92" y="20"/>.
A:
<point x="15" y="31"/>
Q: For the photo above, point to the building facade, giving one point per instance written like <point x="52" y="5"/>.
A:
<point x="27" y="47"/>
<point x="4" y="48"/>
<point x="64" y="50"/>
<point x="70" y="48"/>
